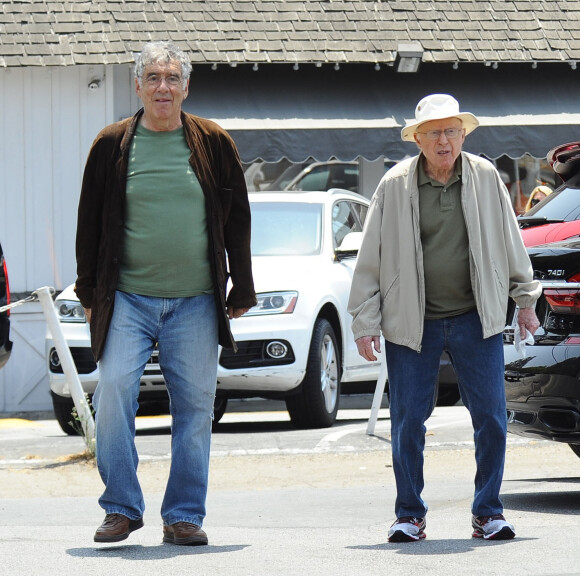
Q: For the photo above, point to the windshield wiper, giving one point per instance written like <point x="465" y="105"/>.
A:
<point x="527" y="221"/>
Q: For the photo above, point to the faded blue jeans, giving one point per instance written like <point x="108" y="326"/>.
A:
<point x="479" y="367"/>
<point x="186" y="332"/>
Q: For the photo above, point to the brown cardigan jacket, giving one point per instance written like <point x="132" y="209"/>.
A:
<point x="101" y="217"/>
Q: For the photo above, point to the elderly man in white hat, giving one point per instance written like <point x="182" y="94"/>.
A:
<point x="440" y="258"/>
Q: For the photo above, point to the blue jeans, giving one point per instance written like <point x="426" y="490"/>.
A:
<point x="186" y="332"/>
<point x="479" y="367"/>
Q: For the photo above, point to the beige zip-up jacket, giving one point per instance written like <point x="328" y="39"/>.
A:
<point x="388" y="288"/>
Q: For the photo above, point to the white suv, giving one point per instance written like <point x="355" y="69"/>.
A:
<point x="297" y="343"/>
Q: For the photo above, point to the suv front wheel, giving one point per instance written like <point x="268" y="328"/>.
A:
<point x="63" y="412"/>
<point x="316" y="405"/>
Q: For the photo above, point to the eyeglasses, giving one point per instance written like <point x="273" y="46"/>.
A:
<point x="535" y="201"/>
<point x="450" y="133"/>
<point x="172" y="80"/>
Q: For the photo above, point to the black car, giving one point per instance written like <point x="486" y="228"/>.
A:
<point x="5" y="344"/>
<point x="543" y="387"/>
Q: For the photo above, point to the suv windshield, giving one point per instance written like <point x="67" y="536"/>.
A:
<point x="286" y="228"/>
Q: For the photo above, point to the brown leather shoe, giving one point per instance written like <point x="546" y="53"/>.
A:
<point x="116" y="527"/>
<point x="184" y="534"/>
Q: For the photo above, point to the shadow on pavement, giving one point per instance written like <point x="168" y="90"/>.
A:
<point x="158" y="552"/>
<point x="437" y="547"/>
<point x="564" y="502"/>
<point x="234" y="427"/>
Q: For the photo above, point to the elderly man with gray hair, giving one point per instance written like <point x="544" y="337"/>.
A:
<point x="440" y="258"/>
<point x="163" y="223"/>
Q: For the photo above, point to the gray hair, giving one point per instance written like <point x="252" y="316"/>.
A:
<point x="161" y="51"/>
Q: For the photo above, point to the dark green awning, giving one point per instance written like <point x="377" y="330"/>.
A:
<point x="356" y="111"/>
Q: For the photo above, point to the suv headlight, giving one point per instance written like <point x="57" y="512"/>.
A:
<point x="69" y="311"/>
<point x="274" y="303"/>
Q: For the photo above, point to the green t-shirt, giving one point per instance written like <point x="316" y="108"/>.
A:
<point x="165" y="250"/>
<point x="448" y="290"/>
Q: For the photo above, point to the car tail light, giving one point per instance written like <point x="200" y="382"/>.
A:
<point x="563" y="300"/>
<point x="7" y="285"/>
<point x="572" y="341"/>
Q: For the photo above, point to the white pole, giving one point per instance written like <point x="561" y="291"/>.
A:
<point x="70" y="371"/>
<point x="378" y="397"/>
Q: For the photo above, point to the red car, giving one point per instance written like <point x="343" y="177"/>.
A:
<point x="556" y="217"/>
<point x="545" y="233"/>
<point x="5" y="343"/>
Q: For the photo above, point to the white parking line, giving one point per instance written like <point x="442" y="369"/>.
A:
<point x="326" y="443"/>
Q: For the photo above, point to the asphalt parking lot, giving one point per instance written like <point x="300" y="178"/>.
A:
<point x="249" y="427"/>
<point x="285" y="501"/>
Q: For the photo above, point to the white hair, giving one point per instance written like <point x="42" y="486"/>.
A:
<point x="161" y="51"/>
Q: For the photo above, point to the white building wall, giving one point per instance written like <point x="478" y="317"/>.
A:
<point x="50" y="117"/>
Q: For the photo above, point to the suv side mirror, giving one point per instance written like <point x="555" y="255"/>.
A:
<point x="349" y="246"/>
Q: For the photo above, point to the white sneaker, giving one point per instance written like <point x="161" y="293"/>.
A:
<point x="407" y="529"/>
<point x="492" y="527"/>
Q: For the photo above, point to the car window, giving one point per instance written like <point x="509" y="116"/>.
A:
<point x="361" y="211"/>
<point x="333" y="175"/>
<point x="286" y="177"/>
<point x="345" y="219"/>
<point x="316" y="179"/>
<point x="343" y="176"/>
<point x="563" y="204"/>
<point x="286" y="228"/>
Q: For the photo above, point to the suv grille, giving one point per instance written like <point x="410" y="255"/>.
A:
<point x="85" y="362"/>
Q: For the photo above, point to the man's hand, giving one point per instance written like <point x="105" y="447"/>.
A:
<point x="236" y="312"/>
<point x="527" y="320"/>
<point x="367" y="345"/>
<point x="88" y="314"/>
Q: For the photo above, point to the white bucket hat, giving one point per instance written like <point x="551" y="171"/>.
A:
<point x="437" y="107"/>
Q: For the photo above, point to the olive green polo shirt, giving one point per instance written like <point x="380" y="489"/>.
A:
<point x="448" y="290"/>
<point x="165" y="249"/>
